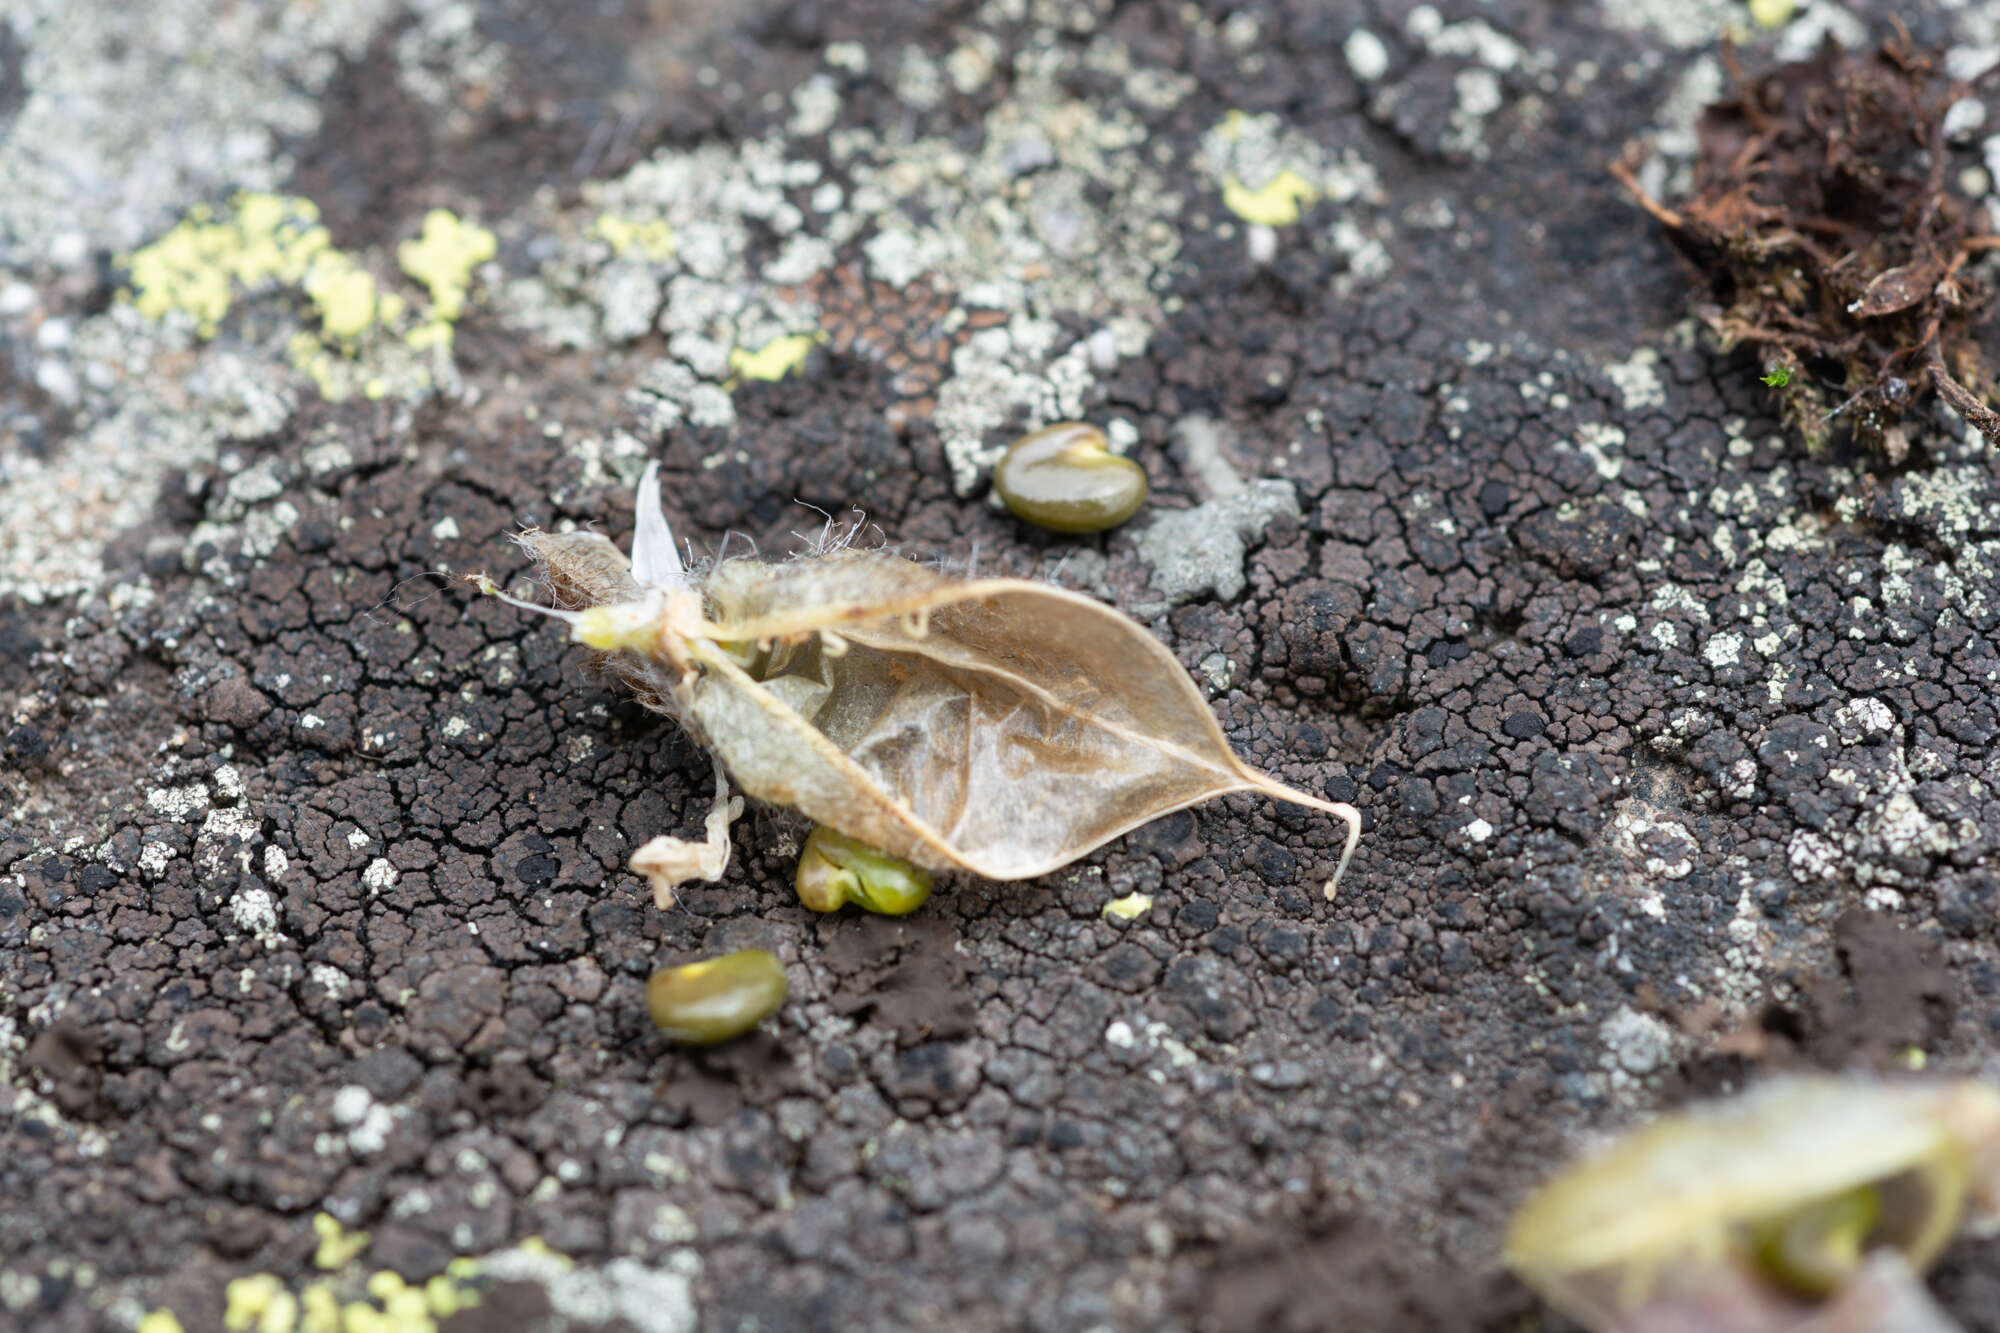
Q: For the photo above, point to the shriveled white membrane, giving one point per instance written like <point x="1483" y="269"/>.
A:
<point x="655" y="563"/>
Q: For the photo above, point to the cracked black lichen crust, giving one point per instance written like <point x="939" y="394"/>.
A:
<point x="1008" y="1108"/>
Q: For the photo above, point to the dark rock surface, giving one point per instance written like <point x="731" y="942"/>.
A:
<point x="1677" y="747"/>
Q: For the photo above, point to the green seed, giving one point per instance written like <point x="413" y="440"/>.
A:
<point x="1064" y="478"/>
<point x="835" y="870"/>
<point x="717" y="998"/>
<point x="1814" y="1250"/>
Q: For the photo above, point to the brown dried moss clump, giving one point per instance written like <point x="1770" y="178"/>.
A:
<point x="1823" y="234"/>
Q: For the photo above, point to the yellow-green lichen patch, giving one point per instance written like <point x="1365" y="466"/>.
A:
<point x="442" y="258"/>
<point x="652" y="238"/>
<point x="337" y="1245"/>
<point x="344" y="295"/>
<point x="1278" y="203"/>
<point x="1270" y="173"/>
<point x="196" y="267"/>
<point x="263" y="1303"/>
<point x="539" y="1248"/>
<point x="259" y="1303"/>
<point x="322" y="1309"/>
<point x="270" y="242"/>
<point x="446" y="1295"/>
<point x="776" y="358"/>
<point x="405" y="1308"/>
<point x="159" y="1321"/>
<point x="1772" y="13"/>
<point x="1129" y="908"/>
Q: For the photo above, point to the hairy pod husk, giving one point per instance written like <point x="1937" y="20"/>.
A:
<point x="994" y="726"/>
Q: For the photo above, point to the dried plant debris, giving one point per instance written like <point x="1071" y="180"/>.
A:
<point x="1811" y="1203"/>
<point x="995" y="726"/>
<point x="1824" y="235"/>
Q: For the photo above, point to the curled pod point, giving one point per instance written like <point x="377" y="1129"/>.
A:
<point x="718" y="998"/>
<point x="1065" y="478"/>
<point x="835" y="869"/>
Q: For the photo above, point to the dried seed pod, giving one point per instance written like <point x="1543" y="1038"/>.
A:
<point x="835" y="870"/>
<point x="1065" y="478"/>
<point x="718" y="998"/>
<point x="994" y="726"/>
<point x="1788" y="1191"/>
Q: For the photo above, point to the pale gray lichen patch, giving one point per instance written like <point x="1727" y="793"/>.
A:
<point x="1250" y="154"/>
<point x="1635" y="1044"/>
<point x="1201" y="550"/>
<point x="1470" y="39"/>
<point x="1638" y="380"/>
<point x="250" y="517"/>
<point x="1011" y="220"/>
<point x="1891" y="838"/>
<point x="1198" y="551"/>
<point x="136" y="111"/>
<point x="652" y="1299"/>
<point x="693" y="280"/>
<point x="1953" y="501"/>
<point x="1480" y="88"/>
<point x="445" y="62"/>
<point x="1649" y="837"/>
<point x="1682" y="23"/>
<point x="58" y="513"/>
<point x="1800" y="39"/>
<point x="1204" y="445"/>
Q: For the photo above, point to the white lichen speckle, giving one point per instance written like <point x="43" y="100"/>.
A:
<point x="1638" y="381"/>
<point x="1682" y="23"/>
<point x="1723" y="650"/>
<point x="1202" y="550"/>
<point x="350" y="1104"/>
<point x="1636" y="1043"/>
<point x="1813" y="859"/>
<point x="654" y="1299"/>
<point x="367" y="1121"/>
<point x="178" y="803"/>
<point x="1366" y="55"/>
<point x="255" y="912"/>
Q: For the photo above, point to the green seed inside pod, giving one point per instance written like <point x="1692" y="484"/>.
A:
<point x="834" y="870"/>
<point x="717" y="998"/>
<point x="1064" y="478"/>
<point x="1814" y="1250"/>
